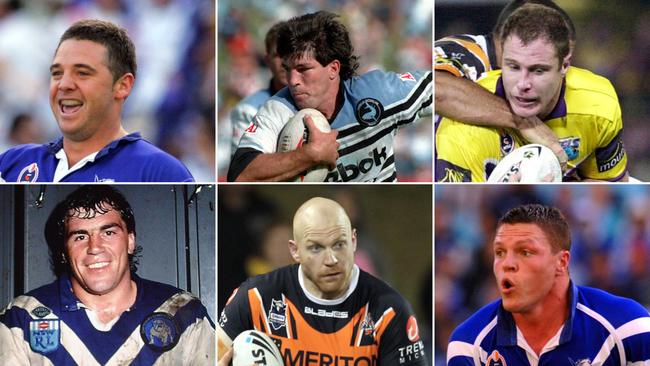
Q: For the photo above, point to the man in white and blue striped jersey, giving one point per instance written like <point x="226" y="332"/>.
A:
<point x="543" y="318"/>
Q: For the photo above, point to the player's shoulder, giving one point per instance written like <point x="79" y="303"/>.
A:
<point x="381" y="292"/>
<point x="589" y="93"/>
<point x="373" y="79"/>
<point x="31" y="152"/>
<point x="481" y="322"/>
<point x="490" y="79"/>
<point x="616" y="310"/>
<point x="256" y="99"/>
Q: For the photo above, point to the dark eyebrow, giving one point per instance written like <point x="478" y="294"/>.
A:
<point x="101" y="228"/>
<point x="76" y="66"/>
<point x="109" y="225"/>
<point x="77" y="232"/>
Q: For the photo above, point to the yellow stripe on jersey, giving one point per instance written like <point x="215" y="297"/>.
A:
<point x="590" y="129"/>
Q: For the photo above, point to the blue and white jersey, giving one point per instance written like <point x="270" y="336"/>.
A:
<point x="375" y="106"/>
<point x="128" y="159"/>
<point x="602" y="329"/>
<point x="49" y="326"/>
<point x="242" y="115"/>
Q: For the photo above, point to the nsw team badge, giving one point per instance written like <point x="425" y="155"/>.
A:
<point x="160" y="332"/>
<point x="44" y="335"/>
<point x="29" y="173"/>
<point x="369" y="111"/>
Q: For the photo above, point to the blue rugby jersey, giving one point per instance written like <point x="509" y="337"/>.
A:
<point x="602" y="329"/>
<point x="128" y="159"/>
<point x="165" y="326"/>
<point x="375" y="105"/>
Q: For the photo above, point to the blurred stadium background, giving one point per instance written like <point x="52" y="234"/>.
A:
<point x="393" y="225"/>
<point x="173" y="102"/>
<point x="613" y="40"/>
<point x="389" y="35"/>
<point x="610" y="228"/>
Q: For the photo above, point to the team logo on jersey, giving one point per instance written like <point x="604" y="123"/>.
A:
<point x="412" y="331"/>
<point x="44" y="335"/>
<point x="507" y="144"/>
<point x="368" y="325"/>
<point x="369" y="111"/>
<point x="29" y="173"/>
<point x="407" y="76"/>
<point x="276" y="314"/>
<point x="251" y="128"/>
<point x="41" y="311"/>
<point x="571" y="146"/>
<point x="159" y="332"/>
<point x="496" y="359"/>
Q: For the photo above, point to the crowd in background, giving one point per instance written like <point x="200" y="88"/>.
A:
<point x="392" y="36"/>
<point x="610" y="228"/>
<point x="173" y="101"/>
<point x="613" y="40"/>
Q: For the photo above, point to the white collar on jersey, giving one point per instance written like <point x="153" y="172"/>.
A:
<point x="62" y="166"/>
<point x="311" y="297"/>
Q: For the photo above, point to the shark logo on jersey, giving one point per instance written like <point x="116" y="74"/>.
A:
<point x="496" y="359"/>
<point x="369" y="111"/>
<point x="159" y="331"/>
<point x="29" y="173"/>
<point x="276" y="314"/>
<point x="44" y="335"/>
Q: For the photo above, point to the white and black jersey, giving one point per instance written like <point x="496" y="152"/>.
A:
<point x="375" y="106"/>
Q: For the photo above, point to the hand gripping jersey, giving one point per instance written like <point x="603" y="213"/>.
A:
<point x="129" y="159"/>
<point x="370" y="325"/>
<point x="242" y="115"/>
<point x="49" y="326"/>
<point x="466" y="55"/>
<point x="586" y="119"/>
<point x="375" y="105"/>
<point x="602" y="329"/>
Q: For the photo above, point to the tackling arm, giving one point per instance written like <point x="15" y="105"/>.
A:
<point x="462" y="100"/>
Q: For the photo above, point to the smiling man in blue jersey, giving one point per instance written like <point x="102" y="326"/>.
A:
<point x="580" y="107"/>
<point x="364" y="111"/>
<point x="98" y="311"/>
<point x="543" y="318"/>
<point x="91" y="76"/>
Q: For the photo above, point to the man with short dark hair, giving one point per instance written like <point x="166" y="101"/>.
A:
<point x="543" y="318"/>
<point x="364" y="111"/>
<point x="536" y="81"/>
<point x="92" y="74"/>
<point x="98" y="311"/>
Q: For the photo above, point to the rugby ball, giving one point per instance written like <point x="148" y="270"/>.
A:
<point x="255" y="348"/>
<point x="528" y="164"/>
<point x="294" y="134"/>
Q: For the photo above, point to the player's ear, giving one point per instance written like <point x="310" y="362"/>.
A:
<point x="354" y="240"/>
<point x="566" y="62"/>
<point x="293" y="249"/>
<point x="122" y="87"/>
<point x="131" y="245"/>
<point x="563" y="263"/>
<point x="334" y="69"/>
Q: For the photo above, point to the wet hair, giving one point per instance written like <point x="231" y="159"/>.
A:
<point x="119" y="47"/>
<point x="321" y="35"/>
<point x="532" y="21"/>
<point x="547" y="218"/>
<point x="85" y="202"/>
<point x="516" y="4"/>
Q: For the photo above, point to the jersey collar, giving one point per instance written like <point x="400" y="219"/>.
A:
<point x="70" y="302"/>
<point x="507" y="329"/>
<point x="317" y="300"/>
<point x="56" y="145"/>
<point x="560" y="107"/>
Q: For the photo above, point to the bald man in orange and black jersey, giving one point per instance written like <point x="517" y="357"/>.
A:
<point x="325" y="310"/>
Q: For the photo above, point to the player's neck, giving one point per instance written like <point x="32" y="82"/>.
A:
<point x="542" y="322"/>
<point x="333" y="103"/>
<point x="75" y="150"/>
<point x="111" y="305"/>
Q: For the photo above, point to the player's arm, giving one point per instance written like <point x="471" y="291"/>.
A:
<point x="224" y="347"/>
<point x="460" y="99"/>
<point x="322" y="149"/>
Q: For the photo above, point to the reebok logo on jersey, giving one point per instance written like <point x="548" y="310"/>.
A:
<point x="350" y="172"/>
<point x="407" y="76"/>
<point x="252" y="128"/>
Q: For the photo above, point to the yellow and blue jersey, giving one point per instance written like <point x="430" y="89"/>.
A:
<point x="586" y="119"/>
